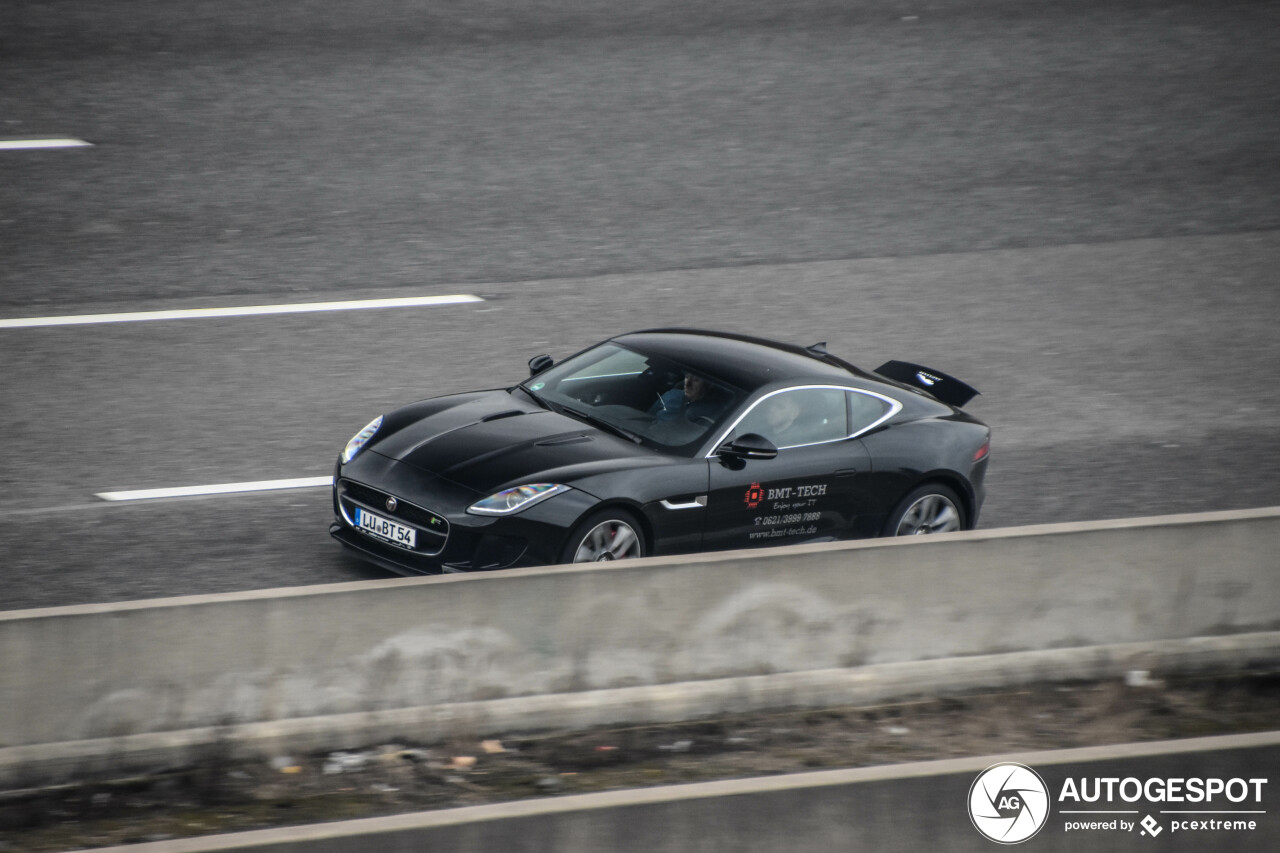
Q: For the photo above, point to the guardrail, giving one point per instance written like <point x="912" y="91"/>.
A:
<point x="121" y="686"/>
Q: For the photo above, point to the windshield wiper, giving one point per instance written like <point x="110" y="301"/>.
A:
<point x="592" y="419"/>
<point x="541" y="402"/>
<point x="582" y="416"/>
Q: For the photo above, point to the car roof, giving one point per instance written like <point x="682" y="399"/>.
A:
<point x="745" y="362"/>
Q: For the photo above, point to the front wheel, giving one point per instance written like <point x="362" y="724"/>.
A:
<point x="604" y="536"/>
<point x="931" y="508"/>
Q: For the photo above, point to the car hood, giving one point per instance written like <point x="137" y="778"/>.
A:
<point x="495" y="440"/>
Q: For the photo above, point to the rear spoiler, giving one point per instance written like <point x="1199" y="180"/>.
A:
<point x="935" y="383"/>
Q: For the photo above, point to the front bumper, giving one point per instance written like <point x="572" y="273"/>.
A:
<point x="485" y="553"/>
<point x="448" y="539"/>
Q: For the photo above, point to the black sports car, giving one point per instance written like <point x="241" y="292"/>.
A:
<point x="662" y="442"/>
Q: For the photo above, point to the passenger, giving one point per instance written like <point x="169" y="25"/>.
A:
<point x="780" y="419"/>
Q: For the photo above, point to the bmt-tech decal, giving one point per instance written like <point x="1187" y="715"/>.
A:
<point x="812" y="492"/>
<point x="793" y="510"/>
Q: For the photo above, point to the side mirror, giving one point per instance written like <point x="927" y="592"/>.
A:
<point x="539" y="363"/>
<point x="749" y="446"/>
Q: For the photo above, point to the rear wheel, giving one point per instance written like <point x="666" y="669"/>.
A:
<point x="612" y="534"/>
<point x="931" y="508"/>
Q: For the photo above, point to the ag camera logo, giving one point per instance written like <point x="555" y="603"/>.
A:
<point x="1008" y="803"/>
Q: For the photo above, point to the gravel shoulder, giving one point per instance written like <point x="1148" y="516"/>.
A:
<point x="220" y="796"/>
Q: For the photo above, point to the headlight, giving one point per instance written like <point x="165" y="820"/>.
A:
<point x="514" y="500"/>
<point x="360" y="439"/>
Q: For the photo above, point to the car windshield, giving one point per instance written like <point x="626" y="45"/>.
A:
<point x="659" y="402"/>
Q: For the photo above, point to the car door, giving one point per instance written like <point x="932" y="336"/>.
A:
<point x="812" y="489"/>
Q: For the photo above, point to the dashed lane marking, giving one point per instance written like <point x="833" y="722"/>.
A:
<point x="216" y="489"/>
<point x="242" y="311"/>
<point x="41" y="144"/>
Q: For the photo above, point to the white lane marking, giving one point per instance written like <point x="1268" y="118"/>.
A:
<point x="243" y="311"/>
<point x="217" y="489"/>
<point x="41" y="144"/>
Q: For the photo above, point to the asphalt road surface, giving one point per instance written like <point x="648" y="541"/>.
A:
<point x="1073" y="206"/>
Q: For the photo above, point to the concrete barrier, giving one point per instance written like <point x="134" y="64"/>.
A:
<point x="902" y="807"/>
<point x="140" y="678"/>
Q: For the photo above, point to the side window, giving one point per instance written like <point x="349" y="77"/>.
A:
<point x="803" y="416"/>
<point x="864" y="410"/>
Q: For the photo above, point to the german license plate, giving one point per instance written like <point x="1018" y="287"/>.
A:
<point x="385" y="528"/>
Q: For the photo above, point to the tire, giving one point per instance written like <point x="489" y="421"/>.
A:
<point x="931" y="508"/>
<point x="611" y="534"/>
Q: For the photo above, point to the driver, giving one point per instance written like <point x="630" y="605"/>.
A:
<point x="692" y="399"/>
